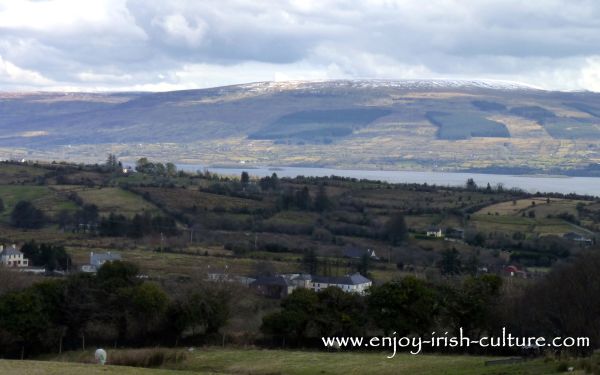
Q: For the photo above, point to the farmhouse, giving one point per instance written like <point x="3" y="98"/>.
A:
<point x="97" y="260"/>
<point x="12" y="257"/>
<point x="435" y="232"/>
<point x="355" y="283"/>
<point x="281" y="286"/>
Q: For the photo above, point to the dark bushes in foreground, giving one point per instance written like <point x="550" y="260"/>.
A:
<point x="113" y="307"/>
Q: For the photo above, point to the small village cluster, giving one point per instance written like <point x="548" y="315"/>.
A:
<point x="280" y="286"/>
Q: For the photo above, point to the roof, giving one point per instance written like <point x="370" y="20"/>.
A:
<point x="357" y="278"/>
<point x="434" y="229"/>
<point x="303" y="276"/>
<point x="105" y="257"/>
<point x="354" y="252"/>
<point x="354" y="279"/>
<point x="10" y="251"/>
<point x="271" y="280"/>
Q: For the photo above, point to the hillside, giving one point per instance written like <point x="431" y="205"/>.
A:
<point x="362" y="124"/>
<point x="178" y="233"/>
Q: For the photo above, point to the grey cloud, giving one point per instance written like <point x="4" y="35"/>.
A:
<point x="122" y="44"/>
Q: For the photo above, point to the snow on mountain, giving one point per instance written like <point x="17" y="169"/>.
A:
<point x="406" y="84"/>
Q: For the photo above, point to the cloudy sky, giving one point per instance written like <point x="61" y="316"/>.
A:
<point x="97" y="45"/>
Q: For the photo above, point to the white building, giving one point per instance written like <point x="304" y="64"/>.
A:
<point x="355" y="283"/>
<point x="435" y="232"/>
<point x="12" y="257"/>
<point x="97" y="260"/>
<point x="283" y="285"/>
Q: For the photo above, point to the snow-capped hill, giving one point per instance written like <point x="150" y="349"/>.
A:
<point x="404" y="84"/>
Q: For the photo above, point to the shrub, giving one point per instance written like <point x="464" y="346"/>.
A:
<point x="155" y="357"/>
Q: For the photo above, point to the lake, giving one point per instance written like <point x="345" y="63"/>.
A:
<point x="532" y="184"/>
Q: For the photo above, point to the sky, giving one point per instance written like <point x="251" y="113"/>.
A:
<point x="161" y="45"/>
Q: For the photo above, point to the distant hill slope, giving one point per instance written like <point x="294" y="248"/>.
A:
<point x="384" y="124"/>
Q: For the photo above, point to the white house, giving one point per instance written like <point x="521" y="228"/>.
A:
<point x="97" y="260"/>
<point x="283" y="285"/>
<point x="12" y="257"/>
<point x="435" y="232"/>
<point x="355" y="283"/>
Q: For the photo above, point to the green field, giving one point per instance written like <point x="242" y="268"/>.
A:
<point x="62" y="368"/>
<point x="185" y="199"/>
<point x="508" y="216"/>
<point x="263" y="362"/>
<point x="42" y="197"/>
<point x="169" y="264"/>
<point x="19" y="173"/>
<point x="109" y="199"/>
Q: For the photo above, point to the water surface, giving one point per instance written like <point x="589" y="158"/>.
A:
<point x="532" y="184"/>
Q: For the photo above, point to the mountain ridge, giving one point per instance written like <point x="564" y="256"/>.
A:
<point x="422" y="124"/>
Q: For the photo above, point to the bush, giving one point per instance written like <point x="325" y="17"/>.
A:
<point x="25" y="215"/>
<point x="156" y="357"/>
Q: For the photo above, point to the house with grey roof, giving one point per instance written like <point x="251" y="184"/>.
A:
<point x="98" y="259"/>
<point x="12" y="257"/>
<point x="434" y="231"/>
<point x="281" y="286"/>
<point x="355" y="283"/>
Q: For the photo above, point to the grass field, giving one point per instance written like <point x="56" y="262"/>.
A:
<point x="10" y="173"/>
<point x="284" y="362"/>
<point x="185" y="199"/>
<point x="62" y="368"/>
<point x="110" y="199"/>
<point x="175" y="264"/>
<point x="542" y="207"/>
<point x="508" y="216"/>
<point x="42" y="197"/>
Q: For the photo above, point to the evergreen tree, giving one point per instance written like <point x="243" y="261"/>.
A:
<point x="450" y="264"/>
<point x="302" y="199"/>
<point x="310" y="262"/>
<point x="364" y="265"/>
<point x="471" y="185"/>
<point x="245" y="179"/>
<point x="25" y="215"/>
<point x="112" y="163"/>
<point x="395" y="229"/>
<point x="322" y="202"/>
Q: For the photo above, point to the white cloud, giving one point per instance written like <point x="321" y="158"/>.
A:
<point x="101" y="77"/>
<point x="179" y="29"/>
<point x="12" y="74"/>
<point x="69" y="16"/>
<point x="590" y="74"/>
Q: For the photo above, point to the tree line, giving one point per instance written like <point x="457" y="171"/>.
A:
<point x="114" y="307"/>
<point x="558" y="305"/>
<point x="410" y="306"/>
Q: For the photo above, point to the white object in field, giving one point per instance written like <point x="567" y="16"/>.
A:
<point x="100" y="356"/>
